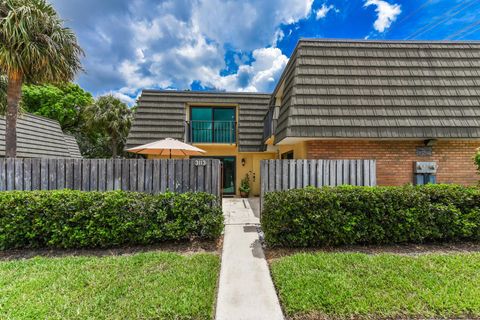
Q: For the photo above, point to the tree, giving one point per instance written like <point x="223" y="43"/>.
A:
<point x="35" y="47"/>
<point x="112" y="118"/>
<point x="63" y="103"/>
<point x="3" y="94"/>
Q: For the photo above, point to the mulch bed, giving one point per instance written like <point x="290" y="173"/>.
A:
<point x="403" y="249"/>
<point x="185" y="248"/>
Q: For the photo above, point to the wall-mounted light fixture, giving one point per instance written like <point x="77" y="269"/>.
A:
<point x="243" y="162"/>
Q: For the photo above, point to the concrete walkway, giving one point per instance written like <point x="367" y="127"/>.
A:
<point x="246" y="290"/>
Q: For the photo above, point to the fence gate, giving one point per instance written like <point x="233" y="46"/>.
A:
<point x="277" y="175"/>
<point x="152" y="176"/>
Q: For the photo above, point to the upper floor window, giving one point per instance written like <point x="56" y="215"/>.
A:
<point x="212" y="125"/>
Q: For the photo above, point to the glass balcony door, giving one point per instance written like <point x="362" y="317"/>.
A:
<point x="212" y="125"/>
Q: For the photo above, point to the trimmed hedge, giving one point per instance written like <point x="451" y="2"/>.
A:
<point x="75" y="219"/>
<point x="371" y="215"/>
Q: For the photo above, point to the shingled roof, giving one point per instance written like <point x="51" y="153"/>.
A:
<point x="39" y="137"/>
<point x="161" y="114"/>
<point x="381" y="89"/>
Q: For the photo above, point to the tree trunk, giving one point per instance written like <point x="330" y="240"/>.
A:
<point x="14" y="93"/>
<point x="114" y="147"/>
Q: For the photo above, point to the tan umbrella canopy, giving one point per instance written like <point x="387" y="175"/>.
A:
<point x="167" y="147"/>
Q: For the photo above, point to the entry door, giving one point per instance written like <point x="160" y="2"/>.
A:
<point x="228" y="164"/>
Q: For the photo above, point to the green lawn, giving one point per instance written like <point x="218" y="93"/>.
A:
<point x="141" y="286"/>
<point x="342" y="285"/>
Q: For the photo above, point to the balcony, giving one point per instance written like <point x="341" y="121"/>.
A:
<point x="269" y="124"/>
<point x="199" y="131"/>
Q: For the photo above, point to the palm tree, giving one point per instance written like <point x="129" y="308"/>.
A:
<point x="3" y="93"/>
<point x="35" y="47"/>
<point x="111" y="117"/>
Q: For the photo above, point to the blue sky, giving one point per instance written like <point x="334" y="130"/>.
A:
<point x="236" y="45"/>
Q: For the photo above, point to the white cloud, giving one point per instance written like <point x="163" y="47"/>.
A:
<point x="132" y="45"/>
<point x="386" y="13"/>
<point x="246" y="24"/>
<point x="260" y="76"/>
<point x="324" y="10"/>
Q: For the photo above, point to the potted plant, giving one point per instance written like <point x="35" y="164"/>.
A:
<point x="245" y="186"/>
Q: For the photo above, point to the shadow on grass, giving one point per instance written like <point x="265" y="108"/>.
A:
<point x="187" y="247"/>
<point x="401" y="249"/>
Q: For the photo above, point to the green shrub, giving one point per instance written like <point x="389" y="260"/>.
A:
<point x="371" y="215"/>
<point x="75" y="219"/>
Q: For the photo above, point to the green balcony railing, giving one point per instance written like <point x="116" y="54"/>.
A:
<point x="211" y="131"/>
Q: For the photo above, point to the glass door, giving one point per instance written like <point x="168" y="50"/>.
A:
<point x="224" y="125"/>
<point x="228" y="164"/>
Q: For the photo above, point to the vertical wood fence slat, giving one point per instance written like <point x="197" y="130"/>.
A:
<point x="36" y="174"/>
<point x="102" y="175"/>
<point x="215" y="177"/>
<point x="285" y="175"/>
<point x="186" y="176"/>
<point x="299" y="175"/>
<point x="60" y="173"/>
<point x="163" y="175"/>
<point x="44" y="174"/>
<point x="125" y="175"/>
<point x="156" y="176"/>
<point x="178" y="176"/>
<point x="52" y="174"/>
<point x="141" y="175"/>
<point x="276" y="175"/>
<point x="148" y="176"/>
<point x="3" y="176"/>
<point x="19" y="174"/>
<point x="133" y="175"/>
<point x="208" y="175"/>
<point x="93" y="175"/>
<point x="10" y="174"/>
<point x="86" y="166"/>
<point x="292" y="176"/>
<point x="27" y="174"/>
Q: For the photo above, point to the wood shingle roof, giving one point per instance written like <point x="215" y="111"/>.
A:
<point x="381" y="89"/>
<point x="39" y="137"/>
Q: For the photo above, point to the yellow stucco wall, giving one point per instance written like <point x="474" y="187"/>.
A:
<point x="252" y="162"/>
<point x="299" y="150"/>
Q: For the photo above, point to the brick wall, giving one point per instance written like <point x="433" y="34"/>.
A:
<point x="395" y="158"/>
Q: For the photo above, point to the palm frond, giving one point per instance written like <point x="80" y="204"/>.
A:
<point x="34" y="41"/>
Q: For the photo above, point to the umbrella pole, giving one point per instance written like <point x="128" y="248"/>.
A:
<point x="170" y="153"/>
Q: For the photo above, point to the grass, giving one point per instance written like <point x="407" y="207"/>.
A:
<point x="346" y="285"/>
<point x="141" y="286"/>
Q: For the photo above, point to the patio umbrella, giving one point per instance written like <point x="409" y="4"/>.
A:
<point x="169" y="147"/>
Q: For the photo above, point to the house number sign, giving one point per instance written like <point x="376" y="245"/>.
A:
<point x="200" y="163"/>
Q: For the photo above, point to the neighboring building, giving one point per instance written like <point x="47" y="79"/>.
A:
<point x="397" y="102"/>
<point x="39" y="137"/>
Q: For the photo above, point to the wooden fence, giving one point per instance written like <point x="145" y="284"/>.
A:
<point x="152" y="176"/>
<point x="279" y="175"/>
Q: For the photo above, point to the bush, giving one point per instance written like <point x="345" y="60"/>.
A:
<point x="371" y="215"/>
<point x="75" y="219"/>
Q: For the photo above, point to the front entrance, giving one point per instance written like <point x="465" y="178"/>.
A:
<point x="228" y="173"/>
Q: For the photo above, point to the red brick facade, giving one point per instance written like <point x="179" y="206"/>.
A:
<point x="395" y="158"/>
